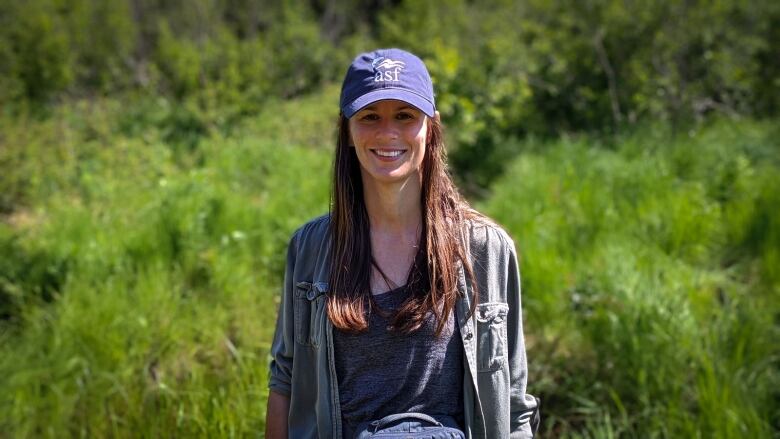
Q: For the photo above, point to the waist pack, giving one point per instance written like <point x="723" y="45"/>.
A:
<point x="409" y="425"/>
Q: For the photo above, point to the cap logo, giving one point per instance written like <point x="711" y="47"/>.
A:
<point x="386" y="69"/>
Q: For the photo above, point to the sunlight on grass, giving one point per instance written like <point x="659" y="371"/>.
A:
<point x="140" y="271"/>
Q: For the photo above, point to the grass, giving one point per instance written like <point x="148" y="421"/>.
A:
<point x="139" y="268"/>
<point x="140" y="291"/>
<point x="650" y="281"/>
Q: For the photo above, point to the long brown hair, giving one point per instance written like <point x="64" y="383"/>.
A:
<point x="433" y="278"/>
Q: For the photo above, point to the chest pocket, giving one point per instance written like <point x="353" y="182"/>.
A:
<point x="310" y="312"/>
<point x="491" y="331"/>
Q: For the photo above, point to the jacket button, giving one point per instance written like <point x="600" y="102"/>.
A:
<point x="468" y="336"/>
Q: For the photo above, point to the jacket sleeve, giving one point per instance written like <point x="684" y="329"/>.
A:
<point x="280" y="370"/>
<point x="524" y="417"/>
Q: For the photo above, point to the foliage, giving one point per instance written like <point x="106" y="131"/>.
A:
<point x="137" y="291"/>
<point x="506" y="69"/>
<point x="138" y="271"/>
<point x="156" y="155"/>
<point x="650" y="285"/>
<point x="503" y="68"/>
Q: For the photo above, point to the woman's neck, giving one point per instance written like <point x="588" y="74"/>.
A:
<point x="395" y="219"/>
<point x="393" y="208"/>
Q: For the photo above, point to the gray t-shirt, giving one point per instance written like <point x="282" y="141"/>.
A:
<point x="381" y="372"/>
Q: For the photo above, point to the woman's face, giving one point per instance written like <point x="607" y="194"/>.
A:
<point x="389" y="139"/>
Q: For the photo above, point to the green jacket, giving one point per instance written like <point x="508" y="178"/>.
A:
<point x="495" y="373"/>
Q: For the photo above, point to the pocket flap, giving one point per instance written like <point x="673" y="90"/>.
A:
<point x="492" y="312"/>
<point x="310" y="291"/>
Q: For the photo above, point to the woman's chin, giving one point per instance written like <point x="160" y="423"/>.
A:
<point x="389" y="176"/>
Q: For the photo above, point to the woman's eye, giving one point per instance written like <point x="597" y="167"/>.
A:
<point x="404" y="116"/>
<point x="370" y="117"/>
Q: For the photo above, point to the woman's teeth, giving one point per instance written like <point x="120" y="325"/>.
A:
<point x="388" y="153"/>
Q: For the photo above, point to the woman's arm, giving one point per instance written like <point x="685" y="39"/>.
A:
<point x="282" y="349"/>
<point x="523" y="407"/>
<point x="276" y="416"/>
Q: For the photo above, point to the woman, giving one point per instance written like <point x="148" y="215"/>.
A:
<point x="401" y="308"/>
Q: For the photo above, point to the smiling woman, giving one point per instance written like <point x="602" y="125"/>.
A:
<point x="400" y="314"/>
<point x="389" y="140"/>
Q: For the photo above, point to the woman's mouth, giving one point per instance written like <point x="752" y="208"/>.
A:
<point x="388" y="154"/>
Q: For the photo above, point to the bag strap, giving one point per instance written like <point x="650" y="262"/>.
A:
<point x="399" y="416"/>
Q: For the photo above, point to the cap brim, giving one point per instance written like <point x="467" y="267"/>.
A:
<point x="399" y="94"/>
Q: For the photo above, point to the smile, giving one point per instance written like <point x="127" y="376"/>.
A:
<point x="390" y="153"/>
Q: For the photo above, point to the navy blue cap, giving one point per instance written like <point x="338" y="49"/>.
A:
<point x="387" y="74"/>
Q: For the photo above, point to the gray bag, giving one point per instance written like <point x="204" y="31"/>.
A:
<point x="409" y="425"/>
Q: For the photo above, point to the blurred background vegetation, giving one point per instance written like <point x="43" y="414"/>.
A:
<point x="156" y="155"/>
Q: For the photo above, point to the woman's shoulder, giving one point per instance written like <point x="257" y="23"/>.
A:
<point x="313" y="231"/>
<point x="310" y="246"/>
<point x="485" y="235"/>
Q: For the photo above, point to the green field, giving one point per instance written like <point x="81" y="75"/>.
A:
<point x="140" y="268"/>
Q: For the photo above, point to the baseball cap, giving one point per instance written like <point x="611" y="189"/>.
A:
<point x="387" y="74"/>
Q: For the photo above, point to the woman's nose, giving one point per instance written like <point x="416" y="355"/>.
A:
<point x="387" y="130"/>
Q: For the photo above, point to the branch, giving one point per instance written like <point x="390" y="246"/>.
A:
<point x="601" y="52"/>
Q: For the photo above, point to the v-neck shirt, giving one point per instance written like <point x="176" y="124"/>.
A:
<point x="382" y="372"/>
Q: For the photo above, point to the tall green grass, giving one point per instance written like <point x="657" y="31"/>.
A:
<point x="650" y="280"/>
<point x="140" y="289"/>
<point x="140" y="266"/>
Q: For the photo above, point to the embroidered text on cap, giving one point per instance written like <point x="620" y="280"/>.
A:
<point x="387" y="69"/>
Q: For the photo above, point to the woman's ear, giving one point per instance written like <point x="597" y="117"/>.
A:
<point x="437" y="116"/>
